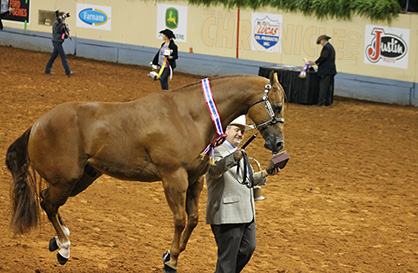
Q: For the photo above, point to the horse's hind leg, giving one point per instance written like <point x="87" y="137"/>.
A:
<point x="89" y="175"/>
<point x="54" y="197"/>
<point x="64" y="226"/>
<point x="192" y="209"/>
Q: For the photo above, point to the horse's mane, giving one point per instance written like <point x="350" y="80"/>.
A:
<point x="212" y="79"/>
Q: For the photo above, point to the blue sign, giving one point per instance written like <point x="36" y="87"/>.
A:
<point x="266" y="32"/>
<point x="93" y="16"/>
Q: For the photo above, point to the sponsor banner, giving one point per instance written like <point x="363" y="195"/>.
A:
<point x="21" y="10"/>
<point x="387" y="46"/>
<point x="94" y="16"/>
<point x="174" y="18"/>
<point x="266" y="32"/>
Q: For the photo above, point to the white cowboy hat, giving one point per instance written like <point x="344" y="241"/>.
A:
<point x="240" y="121"/>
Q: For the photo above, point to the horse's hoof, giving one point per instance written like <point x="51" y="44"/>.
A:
<point x="61" y="259"/>
<point x="53" y="244"/>
<point x="166" y="256"/>
<point x="167" y="269"/>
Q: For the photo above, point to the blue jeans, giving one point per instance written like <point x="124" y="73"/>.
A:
<point x="164" y="78"/>
<point x="58" y="49"/>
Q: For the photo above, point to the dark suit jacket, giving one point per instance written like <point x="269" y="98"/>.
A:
<point x="326" y="62"/>
<point x="172" y="61"/>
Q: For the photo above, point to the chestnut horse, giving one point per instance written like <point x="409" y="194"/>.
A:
<point x="159" y="137"/>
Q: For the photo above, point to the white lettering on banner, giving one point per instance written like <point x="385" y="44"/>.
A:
<point x="392" y="47"/>
<point x="94" y="17"/>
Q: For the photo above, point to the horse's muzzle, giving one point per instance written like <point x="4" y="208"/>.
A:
<point x="274" y="144"/>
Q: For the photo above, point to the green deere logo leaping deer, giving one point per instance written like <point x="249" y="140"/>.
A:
<point x="171" y="18"/>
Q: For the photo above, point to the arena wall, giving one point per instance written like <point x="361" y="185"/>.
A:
<point x="219" y="49"/>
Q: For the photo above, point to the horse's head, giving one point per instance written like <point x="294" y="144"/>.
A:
<point x="268" y="114"/>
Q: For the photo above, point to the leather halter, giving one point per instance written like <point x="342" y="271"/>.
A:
<point x="273" y="119"/>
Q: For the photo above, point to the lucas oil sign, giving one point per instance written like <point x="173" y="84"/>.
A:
<point x="93" y="16"/>
<point x="266" y="32"/>
<point x="386" y="46"/>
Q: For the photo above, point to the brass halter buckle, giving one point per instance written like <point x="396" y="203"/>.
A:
<point x="273" y="119"/>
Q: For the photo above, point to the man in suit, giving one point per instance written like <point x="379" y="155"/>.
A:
<point x="230" y="205"/>
<point x="326" y="71"/>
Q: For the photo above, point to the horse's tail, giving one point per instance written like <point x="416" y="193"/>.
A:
<point x="24" y="196"/>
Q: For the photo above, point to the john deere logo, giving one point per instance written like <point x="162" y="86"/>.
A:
<point x="171" y="18"/>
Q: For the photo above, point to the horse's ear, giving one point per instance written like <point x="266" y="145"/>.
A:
<point x="274" y="82"/>
<point x="273" y="78"/>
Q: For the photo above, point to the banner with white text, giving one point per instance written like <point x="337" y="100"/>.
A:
<point x="387" y="46"/>
<point x="94" y="16"/>
<point x="266" y="32"/>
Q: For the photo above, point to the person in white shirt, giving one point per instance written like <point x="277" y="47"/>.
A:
<point x="230" y="204"/>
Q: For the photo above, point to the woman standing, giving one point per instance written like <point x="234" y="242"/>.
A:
<point x="60" y="32"/>
<point x="166" y="58"/>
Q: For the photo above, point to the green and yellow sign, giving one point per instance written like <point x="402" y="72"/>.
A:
<point x="171" y="18"/>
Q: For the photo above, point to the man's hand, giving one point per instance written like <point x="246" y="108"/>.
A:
<point x="238" y="154"/>
<point x="275" y="171"/>
<point x="271" y="170"/>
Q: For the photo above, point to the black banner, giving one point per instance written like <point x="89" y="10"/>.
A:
<point x="21" y="10"/>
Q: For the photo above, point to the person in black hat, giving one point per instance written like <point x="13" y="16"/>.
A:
<point x="326" y="71"/>
<point x="4" y="14"/>
<point x="166" y="58"/>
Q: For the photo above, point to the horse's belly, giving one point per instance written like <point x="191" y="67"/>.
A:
<point x="144" y="172"/>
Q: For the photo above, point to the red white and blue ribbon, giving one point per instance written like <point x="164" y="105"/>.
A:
<point x="214" y="114"/>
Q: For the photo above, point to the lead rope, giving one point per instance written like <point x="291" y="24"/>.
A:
<point x="246" y="168"/>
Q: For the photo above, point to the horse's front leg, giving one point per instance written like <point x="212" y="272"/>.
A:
<point x="175" y="186"/>
<point x="192" y="209"/>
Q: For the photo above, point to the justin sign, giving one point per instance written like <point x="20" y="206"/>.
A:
<point x="386" y="46"/>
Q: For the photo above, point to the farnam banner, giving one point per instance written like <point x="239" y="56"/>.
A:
<point x="94" y="16"/>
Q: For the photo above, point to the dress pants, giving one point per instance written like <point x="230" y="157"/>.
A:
<point x="58" y="49"/>
<point x="236" y="244"/>
<point x="326" y="90"/>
